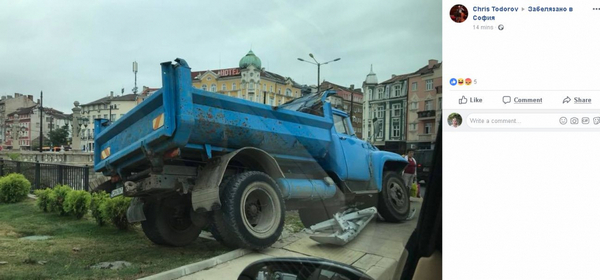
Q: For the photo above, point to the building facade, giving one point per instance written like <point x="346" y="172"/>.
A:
<point x="249" y="81"/>
<point x="349" y="100"/>
<point x="24" y="124"/>
<point x="424" y="105"/>
<point x="385" y="107"/>
<point x="10" y="103"/>
<point x="112" y="107"/>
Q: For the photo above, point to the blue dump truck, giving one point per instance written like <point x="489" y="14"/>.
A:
<point x="195" y="160"/>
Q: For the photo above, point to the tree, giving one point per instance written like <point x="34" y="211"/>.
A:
<point x="59" y="136"/>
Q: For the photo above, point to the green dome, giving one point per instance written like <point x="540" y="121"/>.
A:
<point x="250" y="59"/>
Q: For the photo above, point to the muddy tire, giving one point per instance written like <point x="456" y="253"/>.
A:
<point x="312" y="216"/>
<point x="168" y="222"/>
<point x="252" y="211"/>
<point x="394" y="199"/>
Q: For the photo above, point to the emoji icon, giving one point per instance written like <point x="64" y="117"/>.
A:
<point x="506" y="99"/>
<point x="585" y="120"/>
<point x="453" y="82"/>
<point x="563" y="120"/>
<point x="460" y="81"/>
<point x="468" y="81"/>
<point x="597" y="120"/>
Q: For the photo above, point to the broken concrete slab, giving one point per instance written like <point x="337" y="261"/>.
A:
<point x="36" y="237"/>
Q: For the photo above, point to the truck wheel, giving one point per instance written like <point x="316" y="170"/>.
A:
<point x="220" y="233"/>
<point x="312" y="216"/>
<point x="394" y="199"/>
<point x="168" y="222"/>
<point x="252" y="211"/>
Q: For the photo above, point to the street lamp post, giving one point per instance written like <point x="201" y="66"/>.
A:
<point x="318" y="68"/>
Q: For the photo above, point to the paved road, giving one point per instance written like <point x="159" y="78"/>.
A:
<point x="377" y="251"/>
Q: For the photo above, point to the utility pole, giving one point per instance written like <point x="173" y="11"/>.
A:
<point x="41" y="120"/>
<point x="135" y="70"/>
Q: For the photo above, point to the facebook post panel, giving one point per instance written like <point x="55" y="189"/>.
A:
<point x="521" y="124"/>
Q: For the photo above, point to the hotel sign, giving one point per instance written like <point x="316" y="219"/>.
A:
<point x="229" y="72"/>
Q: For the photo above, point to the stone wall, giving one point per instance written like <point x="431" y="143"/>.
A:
<point x="71" y="158"/>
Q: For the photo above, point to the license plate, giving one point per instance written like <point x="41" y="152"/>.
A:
<point x="116" y="192"/>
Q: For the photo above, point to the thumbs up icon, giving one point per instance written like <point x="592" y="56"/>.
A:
<point x="463" y="100"/>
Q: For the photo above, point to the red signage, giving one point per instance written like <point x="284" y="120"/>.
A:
<point x="229" y="72"/>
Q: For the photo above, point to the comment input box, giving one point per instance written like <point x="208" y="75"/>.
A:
<point x="537" y="120"/>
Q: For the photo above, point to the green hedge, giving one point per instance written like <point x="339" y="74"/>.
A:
<point x="77" y="203"/>
<point x="14" y="188"/>
<point x="59" y="197"/>
<point x="98" y="198"/>
<point x="44" y="199"/>
<point x="115" y="210"/>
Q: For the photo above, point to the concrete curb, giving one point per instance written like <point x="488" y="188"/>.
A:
<point x="195" y="267"/>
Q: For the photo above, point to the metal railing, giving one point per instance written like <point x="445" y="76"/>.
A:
<point x="48" y="175"/>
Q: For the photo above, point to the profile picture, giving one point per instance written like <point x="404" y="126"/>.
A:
<point x="454" y="120"/>
<point x="459" y="13"/>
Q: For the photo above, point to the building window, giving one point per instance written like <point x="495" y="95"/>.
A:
<point x="113" y="117"/>
<point x="251" y="86"/>
<point x="288" y="92"/>
<point x="233" y="87"/>
<point x="370" y="94"/>
<point x="380" y="112"/>
<point x="224" y="87"/>
<point x="264" y="87"/>
<point x="396" y="110"/>
<point x="204" y="87"/>
<point x="414" y="86"/>
<point x="396" y="91"/>
<point x="279" y="102"/>
<point x="428" y="128"/>
<point x="279" y="91"/>
<point x="208" y="78"/>
<point x="429" y="85"/>
<point x="396" y="128"/>
<point x="106" y="116"/>
<point x="271" y="101"/>
<point x="213" y="88"/>
<point x="440" y="103"/>
<point x="413" y="126"/>
<point x="379" y="93"/>
<point x="414" y="105"/>
<point x="380" y="134"/>
<point x="272" y="89"/>
<point x="428" y="105"/>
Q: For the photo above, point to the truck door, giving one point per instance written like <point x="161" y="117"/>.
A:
<point x="356" y="155"/>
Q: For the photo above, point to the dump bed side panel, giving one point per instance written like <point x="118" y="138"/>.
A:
<point x="160" y="123"/>
<point x="230" y="122"/>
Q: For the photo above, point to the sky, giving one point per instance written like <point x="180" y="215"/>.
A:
<point x="83" y="50"/>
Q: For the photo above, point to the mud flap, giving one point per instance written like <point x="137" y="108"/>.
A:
<point x="135" y="212"/>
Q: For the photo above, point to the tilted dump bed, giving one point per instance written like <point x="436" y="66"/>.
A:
<point x="197" y="121"/>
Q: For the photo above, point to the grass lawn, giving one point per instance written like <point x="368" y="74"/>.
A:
<point x="96" y="244"/>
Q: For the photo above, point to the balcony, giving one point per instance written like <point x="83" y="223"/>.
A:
<point x="426" y="115"/>
<point x="425" y="137"/>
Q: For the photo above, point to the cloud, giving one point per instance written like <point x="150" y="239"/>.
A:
<point x="82" y="50"/>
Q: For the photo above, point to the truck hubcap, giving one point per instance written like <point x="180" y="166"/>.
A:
<point x="260" y="209"/>
<point x="397" y="196"/>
